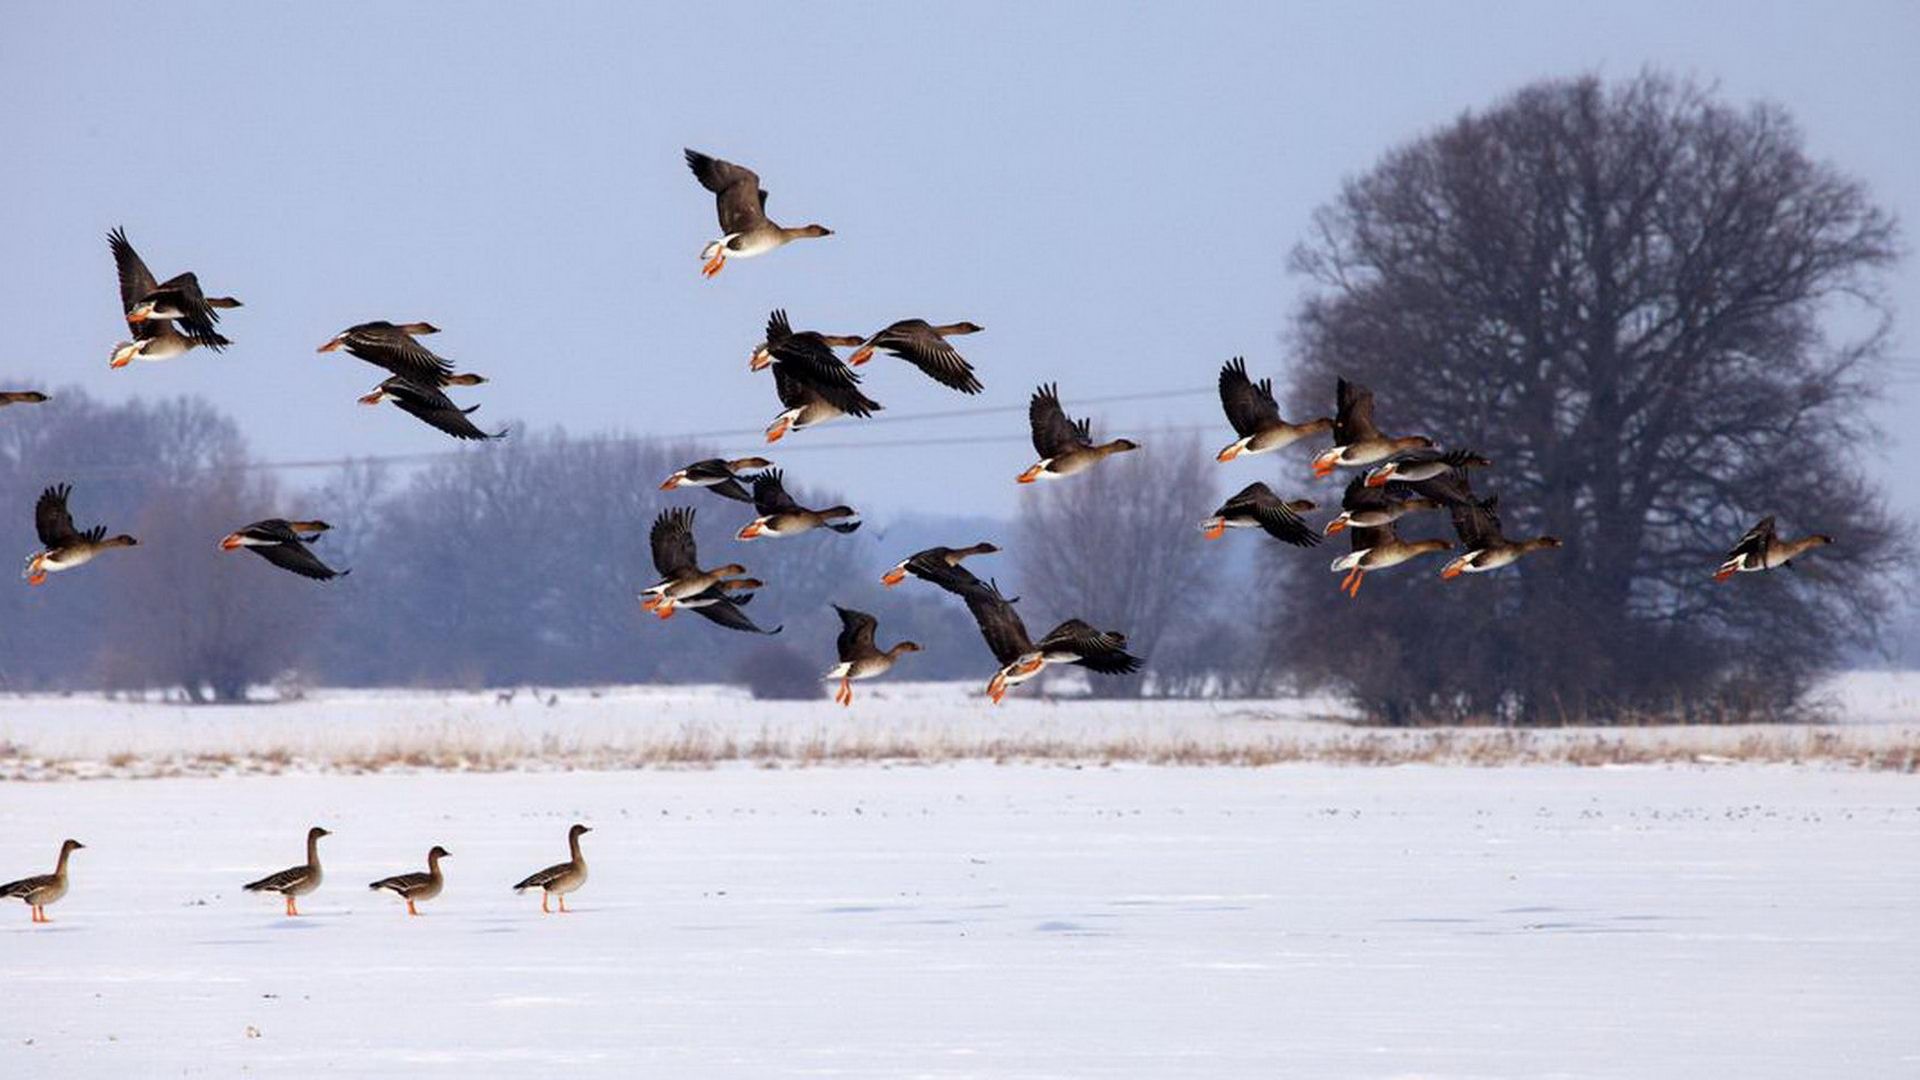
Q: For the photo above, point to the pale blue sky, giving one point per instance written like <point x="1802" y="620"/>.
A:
<point x="1111" y="190"/>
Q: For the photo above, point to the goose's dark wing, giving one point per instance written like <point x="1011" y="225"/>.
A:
<point x="1477" y="524"/>
<point x="435" y="409"/>
<point x="957" y="580"/>
<point x="293" y="555"/>
<point x="52" y="520"/>
<point x="915" y="341"/>
<point x="725" y="611"/>
<point x="1273" y="514"/>
<point x="1249" y="405"/>
<point x="796" y="388"/>
<point x="197" y="317"/>
<point x="136" y="281"/>
<point x="770" y="494"/>
<point x="730" y="489"/>
<point x="999" y="624"/>
<point x="1353" y="418"/>
<point x="1754" y="543"/>
<point x="856" y="633"/>
<point x="807" y="355"/>
<point x="385" y="345"/>
<point x="1099" y="650"/>
<point x="1053" y="433"/>
<point x="672" y="541"/>
<point x="1371" y="538"/>
<point x="736" y="188"/>
<point x="1450" y="488"/>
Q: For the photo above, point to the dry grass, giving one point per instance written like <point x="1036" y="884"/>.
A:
<point x="694" y="747"/>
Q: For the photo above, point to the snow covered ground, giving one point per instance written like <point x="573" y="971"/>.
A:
<point x="974" y="920"/>
<point x="1877" y="725"/>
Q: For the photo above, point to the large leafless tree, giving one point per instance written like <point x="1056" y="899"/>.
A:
<point x="1662" y="319"/>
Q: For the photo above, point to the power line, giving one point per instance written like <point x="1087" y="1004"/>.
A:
<point x="426" y="457"/>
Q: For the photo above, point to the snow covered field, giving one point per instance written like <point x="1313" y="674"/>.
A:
<point x="974" y="920"/>
<point x="1877" y="725"/>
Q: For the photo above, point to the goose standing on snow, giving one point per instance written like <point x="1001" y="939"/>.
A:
<point x="1356" y="441"/>
<point x="1257" y="507"/>
<point x="1377" y="549"/>
<point x="42" y="889"/>
<point x="22" y="397"/>
<point x="718" y="475"/>
<point x="1255" y="415"/>
<point x="416" y="887"/>
<point x="745" y="230"/>
<point x="1021" y="658"/>
<point x="431" y="407"/>
<point x="937" y="564"/>
<point x="560" y="878"/>
<point x="295" y="881"/>
<point x="151" y="310"/>
<point x="66" y="547"/>
<point x="925" y="346"/>
<point x="1762" y="549"/>
<point x="860" y="658"/>
<point x="676" y="557"/>
<point x="1065" y="446"/>
<point x="284" y="544"/>
<point x="781" y="516"/>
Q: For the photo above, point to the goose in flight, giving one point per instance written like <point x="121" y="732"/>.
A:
<point x="745" y="229"/>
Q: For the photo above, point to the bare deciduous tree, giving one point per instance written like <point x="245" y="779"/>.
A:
<point x="1118" y="546"/>
<point x="1622" y="296"/>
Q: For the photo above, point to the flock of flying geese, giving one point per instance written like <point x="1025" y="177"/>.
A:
<point x="1399" y="475"/>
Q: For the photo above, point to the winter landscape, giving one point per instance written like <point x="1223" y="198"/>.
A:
<point x="997" y="541"/>
<point x="926" y="911"/>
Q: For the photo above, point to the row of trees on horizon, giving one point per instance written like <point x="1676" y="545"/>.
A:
<point x="1619" y="294"/>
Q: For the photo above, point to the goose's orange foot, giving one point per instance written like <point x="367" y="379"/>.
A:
<point x="544" y="909"/>
<point x="1452" y="572"/>
<point x="410" y="909"/>
<point x="1354" y="592"/>
<point x="778" y="430"/>
<point x="38" y="578"/>
<point x="650" y="603"/>
<point x="665" y="611"/>
<point x="713" y="266"/>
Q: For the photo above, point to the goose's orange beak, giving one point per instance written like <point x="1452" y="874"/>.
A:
<point x="670" y="483"/>
<point x="1228" y="454"/>
<point x="759" y="361"/>
<point x="232" y="541"/>
<point x="893" y="577"/>
<point x="861" y="355"/>
<point x="329" y="346"/>
<point x="1032" y="474"/>
<point x="374" y="398"/>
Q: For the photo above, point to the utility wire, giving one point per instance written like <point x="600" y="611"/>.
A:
<point x="425" y="457"/>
